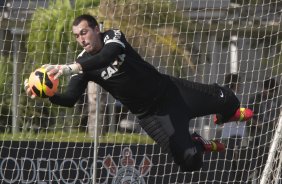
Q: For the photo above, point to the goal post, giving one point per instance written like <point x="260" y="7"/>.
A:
<point x="272" y="169"/>
<point x="229" y="42"/>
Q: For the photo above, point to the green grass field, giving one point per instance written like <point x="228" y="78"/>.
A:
<point x="125" y="138"/>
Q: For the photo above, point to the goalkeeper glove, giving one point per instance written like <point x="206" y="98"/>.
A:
<point x="28" y="90"/>
<point x="59" y="70"/>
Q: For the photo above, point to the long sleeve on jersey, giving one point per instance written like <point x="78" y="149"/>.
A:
<point x="105" y="57"/>
<point x="76" y="87"/>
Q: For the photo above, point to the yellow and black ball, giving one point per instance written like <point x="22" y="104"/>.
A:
<point x="41" y="84"/>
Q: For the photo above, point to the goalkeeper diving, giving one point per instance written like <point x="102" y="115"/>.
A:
<point x="163" y="104"/>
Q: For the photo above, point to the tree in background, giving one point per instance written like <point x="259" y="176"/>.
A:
<point x="155" y="28"/>
<point x="5" y="94"/>
<point x="50" y="41"/>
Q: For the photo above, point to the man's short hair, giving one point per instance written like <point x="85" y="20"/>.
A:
<point x="92" y="22"/>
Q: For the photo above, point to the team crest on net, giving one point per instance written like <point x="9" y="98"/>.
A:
<point x="128" y="173"/>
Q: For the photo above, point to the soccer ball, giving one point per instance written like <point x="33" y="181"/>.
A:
<point x="41" y="84"/>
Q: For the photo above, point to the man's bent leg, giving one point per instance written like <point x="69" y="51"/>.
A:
<point x="192" y="163"/>
<point x="174" y="138"/>
<point x="207" y="99"/>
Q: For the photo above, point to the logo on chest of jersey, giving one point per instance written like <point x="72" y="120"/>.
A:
<point x="108" y="72"/>
<point x="112" y="69"/>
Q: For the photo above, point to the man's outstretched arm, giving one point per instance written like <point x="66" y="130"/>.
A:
<point x="76" y="87"/>
<point x="104" y="58"/>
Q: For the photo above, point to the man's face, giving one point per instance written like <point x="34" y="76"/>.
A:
<point x="88" y="37"/>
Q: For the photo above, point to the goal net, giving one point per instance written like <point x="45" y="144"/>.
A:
<point x="236" y="43"/>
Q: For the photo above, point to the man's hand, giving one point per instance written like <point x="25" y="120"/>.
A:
<point x="59" y="70"/>
<point x="28" y="89"/>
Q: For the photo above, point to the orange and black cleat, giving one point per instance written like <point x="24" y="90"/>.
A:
<point x="242" y="114"/>
<point x="209" y="145"/>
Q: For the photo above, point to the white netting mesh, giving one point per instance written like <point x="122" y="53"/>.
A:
<point x="201" y="40"/>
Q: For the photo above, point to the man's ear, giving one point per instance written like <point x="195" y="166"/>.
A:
<point x="97" y="29"/>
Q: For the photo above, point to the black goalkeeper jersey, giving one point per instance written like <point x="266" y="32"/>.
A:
<point x="121" y="71"/>
<point x="163" y="104"/>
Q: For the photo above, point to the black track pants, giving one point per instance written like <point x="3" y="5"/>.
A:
<point x="168" y="122"/>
